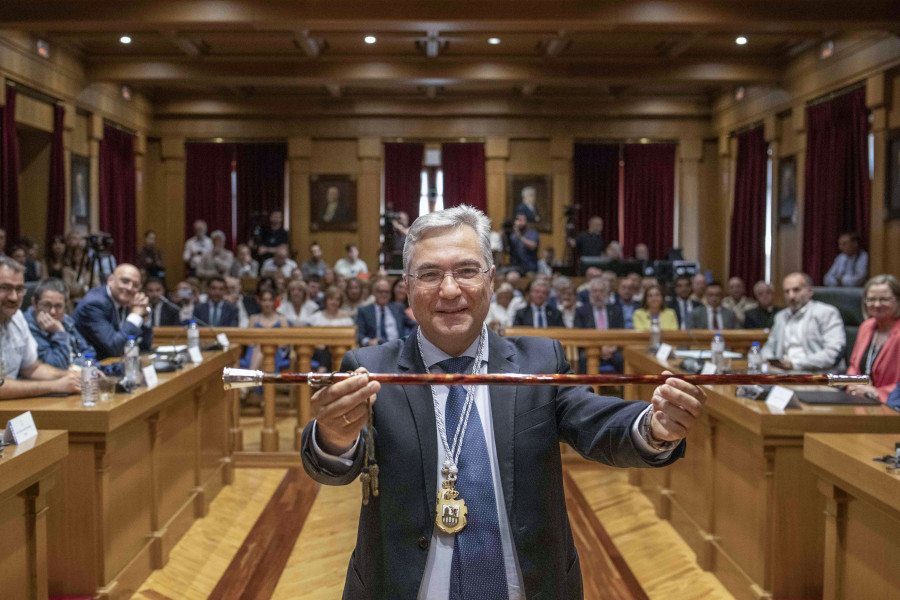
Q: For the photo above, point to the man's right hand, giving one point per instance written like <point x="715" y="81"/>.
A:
<point x="70" y="383"/>
<point x="48" y="323"/>
<point x="342" y="412"/>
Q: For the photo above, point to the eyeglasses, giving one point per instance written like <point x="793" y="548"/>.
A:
<point x="8" y="288"/>
<point x="48" y="307"/>
<point x="471" y="277"/>
<point x="876" y="300"/>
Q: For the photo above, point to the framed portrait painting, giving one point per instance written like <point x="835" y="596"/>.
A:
<point x="80" y="186"/>
<point x="332" y="201"/>
<point x="531" y="195"/>
<point x="787" y="190"/>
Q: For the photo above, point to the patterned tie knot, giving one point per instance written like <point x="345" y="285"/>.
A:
<point x="457" y="364"/>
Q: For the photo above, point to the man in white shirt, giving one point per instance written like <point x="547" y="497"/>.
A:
<point x="217" y="262"/>
<point x="351" y="266"/>
<point x="807" y="335"/>
<point x="280" y="262"/>
<point x="851" y="266"/>
<point x="736" y="301"/>
<point x="195" y="247"/>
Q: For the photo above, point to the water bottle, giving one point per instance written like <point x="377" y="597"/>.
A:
<point x="193" y="335"/>
<point x="718" y="352"/>
<point x="132" y="361"/>
<point x="754" y="359"/>
<point x="89" y="376"/>
<point x="655" y="333"/>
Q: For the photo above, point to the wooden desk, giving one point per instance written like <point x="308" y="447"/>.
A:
<point x="27" y="472"/>
<point x="140" y="469"/>
<point x="743" y="497"/>
<point x="862" y="514"/>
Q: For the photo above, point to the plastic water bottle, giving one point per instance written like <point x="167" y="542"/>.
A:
<point x="193" y="335"/>
<point x="718" y="352"/>
<point x="132" y="360"/>
<point x="754" y="359"/>
<point x="89" y="375"/>
<point x="655" y="333"/>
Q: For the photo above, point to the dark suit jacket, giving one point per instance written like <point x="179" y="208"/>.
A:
<point x="367" y="325"/>
<point x="168" y="315"/>
<point x="699" y="318"/>
<point x="228" y="316"/>
<point x="525" y="317"/>
<point x="529" y="423"/>
<point x="97" y="318"/>
<point x="584" y="319"/>
<point x="760" y="318"/>
<point x="693" y="304"/>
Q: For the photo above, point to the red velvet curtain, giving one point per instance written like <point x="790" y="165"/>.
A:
<point x="649" y="199"/>
<point x="260" y="184"/>
<point x="596" y="186"/>
<point x="403" y="177"/>
<point x="208" y="188"/>
<point x="56" y="198"/>
<point x="836" y="196"/>
<point x="465" y="178"/>
<point x="9" y="169"/>
<point x="748" y="219"/>
<point x="118" y="214"/>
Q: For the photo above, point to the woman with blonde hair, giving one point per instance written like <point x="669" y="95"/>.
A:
<point x="297" y="307"/>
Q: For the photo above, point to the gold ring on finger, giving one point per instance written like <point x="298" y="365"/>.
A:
<point x="346" y="420"/>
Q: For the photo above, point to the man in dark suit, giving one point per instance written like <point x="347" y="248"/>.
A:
<point x="538" y="313"/>
<point x="384" y="321"/>
<point x="763" y="316"/>
<point x="162" y="314"/>
<point x="216" y="311"/>
<point x="713" y="315"/>
<point x="624" y="298"/>
<point x="109" y="313"/>
<point x="506" y="464"/>
<point x="682" y="304"/>
<point x="599" y="314"/>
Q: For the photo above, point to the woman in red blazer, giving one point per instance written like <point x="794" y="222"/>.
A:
<point x="877" y="349"/>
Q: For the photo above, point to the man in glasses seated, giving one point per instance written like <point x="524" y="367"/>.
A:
<point x="497" y="447"/>
<point x="59" y="343"/>
<point x="21" y="371"/>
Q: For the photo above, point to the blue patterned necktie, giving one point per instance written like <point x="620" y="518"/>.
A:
<point x="382" y="327"/>
<point x="477" y="570"/>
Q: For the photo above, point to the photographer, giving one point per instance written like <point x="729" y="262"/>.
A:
<point x="523" y="245"/>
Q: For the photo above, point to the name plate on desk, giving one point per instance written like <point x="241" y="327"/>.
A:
<point x="781" y="398"/>
<point x="223" y="340"/>
<point x="150" y="376"/>
<point x="20" y="429"/>
<point x="196" y="356"/>
<point x="709" y="368"/>
<point x="663" y="354"/>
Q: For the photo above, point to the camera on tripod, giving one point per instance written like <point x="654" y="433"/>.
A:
<point x="100" y="242"/>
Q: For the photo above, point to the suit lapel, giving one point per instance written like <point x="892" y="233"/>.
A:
<point x="503" y="412"/>
<point x="422" y="408"/>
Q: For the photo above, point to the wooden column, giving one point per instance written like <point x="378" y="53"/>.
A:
<point x="69" y="127"/>
<point x="304" y="392"/>
<point x="798" y="122"/>
<point x="561" y="149"/>
<point x="772" y="134"/>
<point x="496" y="154"/>
<point x="368" y="201"/>
<point x="269" y="433"/>
<point x="140" y="150"/>
<point x="171" y="235"/>
<point x="878" y="248"/>
<point x="236" y="433"/>
<point x="835" y="539"/>
<point x="96" y="134"/>
<point x="690" y="151"/>
<point x="299" y="153"/>
<point x="36" y="523"/>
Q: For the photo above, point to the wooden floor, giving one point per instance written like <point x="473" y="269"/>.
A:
<point x="276" y="534"/>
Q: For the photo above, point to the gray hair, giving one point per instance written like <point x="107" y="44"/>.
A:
<point x="451" y="218"/>
<point x="50" y="285"/>
<point x="218" y="233"/>
<point x="599" y="282"/>
<point x="562" y="282"/>
<point x="11" y="264"/>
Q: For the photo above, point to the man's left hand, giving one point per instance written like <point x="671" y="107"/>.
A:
<point x="140" y="304"/>
<point x="678" y="406"/>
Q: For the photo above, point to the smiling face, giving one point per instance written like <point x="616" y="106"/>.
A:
<point x="124" y="283"/>
<point x="450" y="315"/>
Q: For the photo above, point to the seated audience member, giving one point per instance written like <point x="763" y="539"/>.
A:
<point x="186" y="298"/>
<point x="216" y="311"/>
<point x="736" y="301"/>
<point x="331" y="314"/>
<point x="59" y="344"/>
<point x="18" y="254"/>
<point x="150" y="257"/>
<point x="33" y="267"/>
<point x="195" y="247"/>
<point x="400" y="294"/>
<point x="851" y="266"/>
<point x="584" y="289"/>
<point x="77" y="273"/>
<point x="503" y="309"/>
<point x="642" y="252"/>
<point x="280" y="262"/>
<point x="614" y="251"/>
<point x="763" y="316"/>
<point x="713" y="315"/>
<point x="298" y="308"/>
<point x="245" y="304"/>
<point x="698" y="288"/>
<point x="681" y="303"/>
<point x="646" y="283"/>
<point x="590" y="242"/>
<point x="109" y="313"/>
<point x="537" y="313"/>
<point x="523" y="246"/>
<point x="329" y="278"/>
<point x="217" y="262"/>
<point x="244" y="265"/>
<point x="349" y="266"/>
<point x="565" y="300"/>
<point x="268" y="317"/>
<point x="162" y="314"/>
<point x="314" y="265"/>
<point x="598" y="313"/>
<point x="314" y="285"/>
<point x="514" y="278"/>
<point x="271" y="236"/>
<point x="24" y="373"/>
<point x="55" y="258"/>
<point x="877" y="349"/>
<point x="353" y="297"/>
<point x="654" y="305"/>
<point x="545" y="265"/>
<point x="625" y="299"/>
<point x="807" y="335"/>
<point x="384" y="321"/>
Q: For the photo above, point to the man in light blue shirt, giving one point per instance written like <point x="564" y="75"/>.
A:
<point x="851" y="266"/>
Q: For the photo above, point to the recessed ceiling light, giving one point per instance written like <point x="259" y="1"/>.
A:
<point x="740" y="40"/>
<point x="370" y="39"/>
<point x="125" y="39"/>
<point x="645" y="140"/>
<point x="493" y="41"/>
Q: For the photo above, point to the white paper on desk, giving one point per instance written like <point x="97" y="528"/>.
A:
<point x="709" y="368"/>
<point x="704" y="354"/>
<point x="663" y="354"/>
<point x="196" y="356"/>
<point x="150" y="376"/>
<point x="170" y="349"/>
<point x="20" y="429"/>
<point x="781" y="398"/>
<point x="223" y="340"/>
